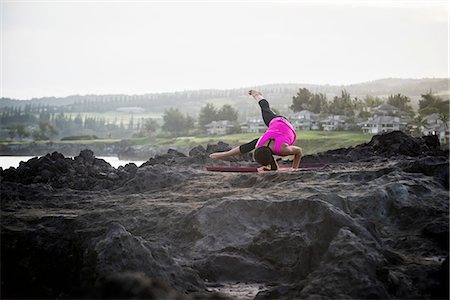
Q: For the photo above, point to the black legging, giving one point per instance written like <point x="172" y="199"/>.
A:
<point x="266" y="112"/>
<point x="267" y="115"/>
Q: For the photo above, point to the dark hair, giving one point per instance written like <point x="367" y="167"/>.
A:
<point x="263" y="155"/>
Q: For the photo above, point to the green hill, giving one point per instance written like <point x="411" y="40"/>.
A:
<point x="191" y="101"/>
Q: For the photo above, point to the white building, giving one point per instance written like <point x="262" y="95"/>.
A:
<point x="219" y="127"/>
<point x="254" y="125"/>
<point x="432" y="120"/>
<point x="381" y="124"/>
<point x="305" y="120"/>
<point x="433" y="125"/>
<point x="387" y="110"/>
<point x="334" y="122"/>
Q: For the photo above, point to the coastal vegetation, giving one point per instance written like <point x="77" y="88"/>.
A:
<point x="310" y="141"/>
<point x="182" y="118"/>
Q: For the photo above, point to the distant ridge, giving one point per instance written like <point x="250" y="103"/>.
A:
<point x="281" y="93"/>
<point x="378" y="87"/>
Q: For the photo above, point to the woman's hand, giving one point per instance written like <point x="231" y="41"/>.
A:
<point x="264" y="168"/>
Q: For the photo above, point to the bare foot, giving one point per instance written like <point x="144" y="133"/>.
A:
<point x="215" y="156"/>
<point x="255" y="94"/>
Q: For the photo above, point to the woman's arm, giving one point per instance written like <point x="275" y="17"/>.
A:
<point x="297" y="159"/>
<point x="292" y="150"/>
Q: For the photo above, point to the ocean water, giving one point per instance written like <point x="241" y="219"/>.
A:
<point x="14" y="161"/>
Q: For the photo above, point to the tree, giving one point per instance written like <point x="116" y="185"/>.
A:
<point x="444" y="118"/>
<point x="358" y="104"/>
<point x="428" y="99"/>
<point x="432" y="104"/>
<point x="305" y="100"/>
<point x="176" y="123"/>
<point x="342" y="105"/>
<point x="46" y="130"/>
<point x="150" y="126"/>
<point x="44" y="116"/>
<point x="78" y="121"/>
<point x="227" y="112"/>
<point x="208" y="113"/>
<point x="301" y="100"/>
<point x="21" y="131"/>
<point x="400" y="101"/>
<point x="420" y="123"/>
<point x="173" y="121"/>
<point x="236" y="128"/>
<point x="147" y="127"/>
<point x="317" y="103"/>
<point x="364" y="114"/>
<point x="372" y="101"/>
<point x="189" y="122"/>
<point x="12" y="132"/>
<point x="131" y="123"/>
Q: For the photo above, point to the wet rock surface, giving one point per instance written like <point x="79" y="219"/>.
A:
<point x="373" y="224"/>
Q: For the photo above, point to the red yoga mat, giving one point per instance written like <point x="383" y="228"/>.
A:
<point x="303" y="167"/>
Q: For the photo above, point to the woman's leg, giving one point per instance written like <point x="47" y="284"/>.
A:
<point x="266" y="112"/>
<point x="247" y="147"/>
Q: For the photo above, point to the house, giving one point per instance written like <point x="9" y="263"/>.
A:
<point x="254" y="125"/>
<point x="386" y="110"/>
<point x="305" y="120"/>
<point x="432" y="120"/>
<point x="334" y="122"/>
<point x="219" y="127"/>
<point x="433" y="125"/>
<point x="381" y="124"/>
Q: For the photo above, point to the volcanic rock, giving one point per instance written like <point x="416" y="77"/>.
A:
<point x="373" y="224"/>
<point x="387" y="145"/>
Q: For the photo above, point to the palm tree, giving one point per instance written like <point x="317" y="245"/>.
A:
<point x="420" y="124"/>
<point x="444" y="118"/>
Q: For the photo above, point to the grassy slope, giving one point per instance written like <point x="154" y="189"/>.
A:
<point x="310" y="141"/>
<point x="319" y="141"/>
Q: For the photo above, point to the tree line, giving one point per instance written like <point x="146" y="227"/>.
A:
<point x="46" y="126"/>
<point x="174" y="122"/>
<point x="43" y="122"/>
<point x="356" y="107"/>
<point x="155" y="102"/>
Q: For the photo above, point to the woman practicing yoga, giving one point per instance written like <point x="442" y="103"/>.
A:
<point x="278" y="139"/>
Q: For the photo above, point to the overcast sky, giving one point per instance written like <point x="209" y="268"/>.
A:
<point x="81" y="47"/>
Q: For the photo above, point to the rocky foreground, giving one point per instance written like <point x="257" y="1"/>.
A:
<point x="373" y="224"/>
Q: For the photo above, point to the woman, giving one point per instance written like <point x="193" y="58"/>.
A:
<point x="278" y="139"/>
